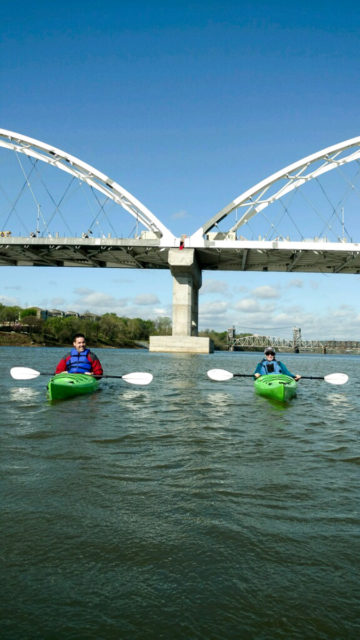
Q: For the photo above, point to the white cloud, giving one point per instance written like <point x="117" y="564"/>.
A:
<point x="83" y="291"/>
<point x="240" y="288"/>
<point x="248" y="305"/>
<point x="148" y="313"/>
<point x="343" y="311"/>
<point x="213" y="308"/>
<point x="214" y="286"/>
<point x="101" y="299"/>
<point x="297" y="284"/>
<point x="265" y="292"/>
<point x="55" y="302"/>
<point x="98" y="302"/>
<point x="284" y="319"/>
<point x="293" y="310"/>
<point x="337" y="324"/>
<point x="9" y="302"/>
<point x="162" y="311"/>
<point x="180" y="215"/>
<point x="122" y="280"/>
<point x="145" y="299"/>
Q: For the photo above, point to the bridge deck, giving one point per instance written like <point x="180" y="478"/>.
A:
<point x="237" y="255"/>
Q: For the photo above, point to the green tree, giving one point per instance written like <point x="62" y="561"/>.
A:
<point x="91" y="329"/>
<point x="9" y="314"/>
<point x="219" y="338"/>
<point x="111" y="329"/>
<point x="137" y="329"/>
<point x="25" y="313"/>
<point x="61" y="330"/>
<point x="35" y="324"/>
<point x="163" y="326"/>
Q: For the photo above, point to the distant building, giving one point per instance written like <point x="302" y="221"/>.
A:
<point x="55" y="313"/>
<point x="44" y="314"/>
<point x="89" y="316"/>
<point x="41" y="314"/>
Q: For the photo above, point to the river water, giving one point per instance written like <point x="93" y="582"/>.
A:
<point x="187" y="509"/>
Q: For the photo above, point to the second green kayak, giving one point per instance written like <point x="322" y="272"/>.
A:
<point x="68" y="385"/>
<point x="276" y="386"/>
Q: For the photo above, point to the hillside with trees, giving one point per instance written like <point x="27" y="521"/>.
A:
<point x="24" y="326"/>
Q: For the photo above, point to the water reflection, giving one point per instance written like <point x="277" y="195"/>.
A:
<point x="220" y="403"/>
<point x="25" y="394"/>
<point x="339" y="400"/>
<point x="133" y="397"/>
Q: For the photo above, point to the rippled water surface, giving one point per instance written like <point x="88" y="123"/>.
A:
<point x="187" y="509"/>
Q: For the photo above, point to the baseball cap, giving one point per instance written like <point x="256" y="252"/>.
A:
<point x="269" y="350"/>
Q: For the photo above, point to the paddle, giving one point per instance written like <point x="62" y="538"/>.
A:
<point x="25" y="373"/>
<point x="220" y="375"/>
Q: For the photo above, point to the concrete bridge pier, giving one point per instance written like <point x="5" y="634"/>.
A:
<point x="187" y="280"/>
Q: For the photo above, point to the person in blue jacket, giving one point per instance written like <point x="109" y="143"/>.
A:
<point x="269" y="365"/>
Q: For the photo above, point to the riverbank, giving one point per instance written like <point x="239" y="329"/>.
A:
<point x="13" y="339"/>
<point x="16" y="339"/>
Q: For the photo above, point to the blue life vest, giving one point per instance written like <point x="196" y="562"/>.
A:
<point x="78" y="362"/>
<point x="270" y="367"/>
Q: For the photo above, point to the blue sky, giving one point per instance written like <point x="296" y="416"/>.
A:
<point x="186" y="105"/>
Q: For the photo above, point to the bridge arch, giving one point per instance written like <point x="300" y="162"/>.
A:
<point x="70" y="164"/>
<point x="277" y="185"/>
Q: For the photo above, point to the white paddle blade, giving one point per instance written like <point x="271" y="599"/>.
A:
<point x="336" y="378"/>
<point x="219" y="375"/>
<point x="138" y="377"/>
<point x="23" y="373"/>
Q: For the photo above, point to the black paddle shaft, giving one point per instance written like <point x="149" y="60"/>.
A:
<point x="250" y="375"/>
<point x="42" y="373"/>
<point x="243" y="375"/>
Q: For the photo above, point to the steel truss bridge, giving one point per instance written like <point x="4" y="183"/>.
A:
<point x="283" y="344"/>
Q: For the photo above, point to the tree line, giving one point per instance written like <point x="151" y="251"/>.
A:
<point x="108" y="330"/>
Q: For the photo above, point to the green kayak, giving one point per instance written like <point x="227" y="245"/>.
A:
<point x="276" y="386"/>
<point x="68" y="385"/>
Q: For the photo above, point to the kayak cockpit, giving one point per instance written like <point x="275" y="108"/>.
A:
<point x="67" y="385"/>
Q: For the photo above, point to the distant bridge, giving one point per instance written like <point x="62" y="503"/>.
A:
<point x="295" y="344"/>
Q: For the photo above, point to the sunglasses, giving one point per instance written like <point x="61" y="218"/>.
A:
<point x="269" y="353"/>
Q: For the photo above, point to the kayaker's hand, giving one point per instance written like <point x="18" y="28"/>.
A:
<point x="256" y="375"/>
<point x="297" y="377"/>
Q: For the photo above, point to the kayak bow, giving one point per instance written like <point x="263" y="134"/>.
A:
<point x="276" y="386"/>
<point x="68" y="385"/>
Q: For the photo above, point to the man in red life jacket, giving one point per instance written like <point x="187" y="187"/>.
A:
<point x="80" y="359"/>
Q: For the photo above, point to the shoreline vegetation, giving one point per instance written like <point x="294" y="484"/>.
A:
<point x="26" y="327"/>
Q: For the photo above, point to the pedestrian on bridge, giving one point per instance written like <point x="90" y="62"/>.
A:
<point x="269" y="365"/>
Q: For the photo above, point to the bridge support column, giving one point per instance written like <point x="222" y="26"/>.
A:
<point x="187" y="281"/>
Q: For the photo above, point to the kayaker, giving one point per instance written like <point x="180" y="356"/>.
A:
<point x="80" y="359"/>
<point x="269" y="365"/>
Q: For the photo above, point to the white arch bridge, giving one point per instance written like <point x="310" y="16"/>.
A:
<point x="260" y="230"/>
